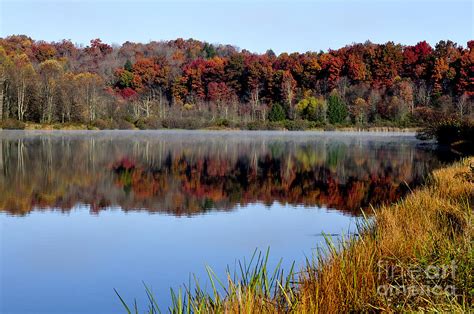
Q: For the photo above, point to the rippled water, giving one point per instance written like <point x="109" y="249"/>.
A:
<point x="82" y="213"/>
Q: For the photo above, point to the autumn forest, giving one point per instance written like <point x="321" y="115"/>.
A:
<point x="194" y="84"/>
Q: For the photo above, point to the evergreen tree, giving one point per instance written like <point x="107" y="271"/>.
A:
<point x="277" y="113"/>
<point x="209" y="51"/>
<point x="337" y="109"/>
<point x="128" y="66"/>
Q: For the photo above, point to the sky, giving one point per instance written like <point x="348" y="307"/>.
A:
<point x="283" y="26"/>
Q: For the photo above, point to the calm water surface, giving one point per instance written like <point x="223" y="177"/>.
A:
<point x="82" y="213"/>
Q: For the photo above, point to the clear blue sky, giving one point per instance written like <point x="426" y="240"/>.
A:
<point x="254" y="25"/>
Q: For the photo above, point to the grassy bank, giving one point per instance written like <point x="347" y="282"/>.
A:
<point x="415" y="255"/>
<point x="419" y="244"/>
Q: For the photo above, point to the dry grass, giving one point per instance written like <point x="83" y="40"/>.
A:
<point x="420" y="243"/>
<point x="430" y="228"/>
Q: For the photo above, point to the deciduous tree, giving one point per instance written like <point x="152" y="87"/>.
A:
<point x="50" y="72"/>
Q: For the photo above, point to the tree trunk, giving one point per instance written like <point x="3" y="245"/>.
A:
<point x="50" y="109"/>
<point x="1" y="156"/>
<point x="6" y="101"/>
<point x="21" y="91"/>
<point x="2" y="88"/>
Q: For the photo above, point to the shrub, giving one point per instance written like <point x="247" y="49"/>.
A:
<point x="449" y="131"/>
<point x="467" y="131"/>
<point x="290" y="125"/>
<point x="300" y="125"/>
<point x="426" y="115"/>
<point x="293" y="125"/>
<point x="125" y="125"/>
<point x="12" y="124"/>
<point x="150" y="123"/>
<point x="256" y="125"/>
<point x="312" y="108"/>
<point x="189" y="123"/>
<point x="276" y="125"/>
<point x="223" y="123"/>
<point x="103" y="124"/>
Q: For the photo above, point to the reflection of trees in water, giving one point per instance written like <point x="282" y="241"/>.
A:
<point x="185" y="176"/>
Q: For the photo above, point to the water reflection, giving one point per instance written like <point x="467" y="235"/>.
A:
<point x="184" y="173"/>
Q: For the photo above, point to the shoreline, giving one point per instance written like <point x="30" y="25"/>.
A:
<point x="323" y="134"/>
<point x="342" y="129"/>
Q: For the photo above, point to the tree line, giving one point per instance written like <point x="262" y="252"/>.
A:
<point x="189" y="83"/>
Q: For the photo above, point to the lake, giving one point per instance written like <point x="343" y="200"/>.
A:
<point x="82" y="213"/>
